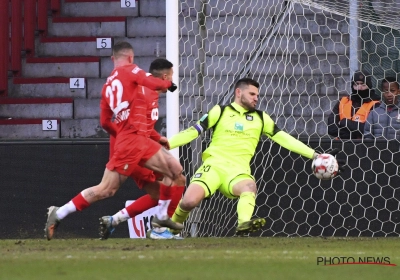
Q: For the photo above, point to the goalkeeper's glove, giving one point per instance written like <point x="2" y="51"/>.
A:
<point x="341" y="162"/>
<point x="173" y="87"/>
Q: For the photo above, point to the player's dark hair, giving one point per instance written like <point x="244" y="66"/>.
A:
<point x="159" y="65"/>
<point x="121" y="46"/>
<point x="390" y="80"/>
<point x="246" y="82"/>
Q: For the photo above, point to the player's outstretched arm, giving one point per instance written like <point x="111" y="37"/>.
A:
<point x="142" y="78"/>
<point x="183" y="137"/>
<point x="286" y="140"/>
<point x="292" y="144"/>
<point x="206" y="122"/>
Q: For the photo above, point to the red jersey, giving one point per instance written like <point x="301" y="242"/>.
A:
<point x="121" y="96"/>
<point x="152" y="112"/>
<point x="151" y="98"/>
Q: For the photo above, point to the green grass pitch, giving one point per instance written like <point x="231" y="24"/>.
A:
<point x="198" y="258"/>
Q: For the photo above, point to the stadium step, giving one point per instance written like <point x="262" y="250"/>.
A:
<point x="66" y="128"/>
<point x="54" y="87"/>
<point x="70" y="46"/>
<point x="36" y="108"/>
<point x="61" y="66"/>
<point x="82" y="128"/>
<point x="87" y="26"/>
<point x="26" y="129"/>
<point x="107" y="65"/>
<point x="146" y="26"/>
<point x="87" y="46"/>
<point x="87" y="108"/>
<point x="89" y="8"/>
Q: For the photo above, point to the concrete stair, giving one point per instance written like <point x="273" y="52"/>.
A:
<point x="87" y="26"/>
<point x="69" y="46"/>
<point x="26" y="129"/>
<point x="82" y="128"/>
<point x="313" y="60"/>
<point x="36" y="108"/>
<point x="42" y="67"/>
<point x="43" y="91"/>
<point x="44" y="88"/>
<point x="91" y="9"/>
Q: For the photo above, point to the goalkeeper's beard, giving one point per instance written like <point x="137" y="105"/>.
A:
<point x="247" y="105"/>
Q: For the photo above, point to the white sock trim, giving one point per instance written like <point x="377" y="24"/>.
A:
<point x="65" y="210"/>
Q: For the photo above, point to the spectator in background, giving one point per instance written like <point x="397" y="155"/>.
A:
<point x="384" y="121"/>
<point x="349" y="115"/>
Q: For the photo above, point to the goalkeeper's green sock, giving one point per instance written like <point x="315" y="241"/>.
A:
<point x="245" y="206"/>
<point x="180" y="215"/>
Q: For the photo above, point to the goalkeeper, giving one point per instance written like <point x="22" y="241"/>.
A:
<point x="237" y="129"/>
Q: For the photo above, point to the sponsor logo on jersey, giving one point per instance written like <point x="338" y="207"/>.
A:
<point x="249" y="117"/>
<point x="238" y="126"/>
<point x="198" y="175"/>
<point x="136" y="70"/>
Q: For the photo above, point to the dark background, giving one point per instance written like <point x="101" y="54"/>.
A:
<point x="364" y="201"/>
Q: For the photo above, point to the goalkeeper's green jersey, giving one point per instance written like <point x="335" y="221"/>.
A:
<point x="236" y="133"/>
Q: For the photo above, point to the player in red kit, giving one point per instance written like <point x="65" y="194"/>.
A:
<point x="121" y="98"/>
<point x="145" y="178"/>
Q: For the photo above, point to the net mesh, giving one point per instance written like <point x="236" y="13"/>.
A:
<point x="303" y="53"/>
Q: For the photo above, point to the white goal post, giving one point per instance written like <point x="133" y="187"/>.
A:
<point x="303" y="53"/>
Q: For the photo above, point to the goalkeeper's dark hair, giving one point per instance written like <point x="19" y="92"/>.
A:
<point x="390" y="80"/>
<point x="159" y="65"/>
<point x="123" y="45"/>
<point x="246" y="82"/>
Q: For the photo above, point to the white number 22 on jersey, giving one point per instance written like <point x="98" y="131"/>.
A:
<point x="116" y="87"/>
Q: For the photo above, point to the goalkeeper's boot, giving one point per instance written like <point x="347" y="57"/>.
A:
<point x="250" y="226"/>
<point x="106" y="227"/>
<point x="162" y="233"/>
<point x="52" y="222"/>
<point x="158" y="223"/>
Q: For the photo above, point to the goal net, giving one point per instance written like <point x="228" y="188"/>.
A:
<point x="303" y="53"/>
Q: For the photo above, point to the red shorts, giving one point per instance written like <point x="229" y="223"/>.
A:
<point x="130" y="151"/>
<point x="142" y="175"/>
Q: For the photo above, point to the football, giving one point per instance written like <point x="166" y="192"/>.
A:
<point x="325" y="167"/>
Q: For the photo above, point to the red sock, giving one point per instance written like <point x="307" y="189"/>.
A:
<point x="176" y="197"/>
<point x="80" y="202"/>
<point x="165" y="192"/>
<point x="140" y="205"/>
